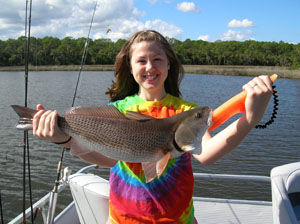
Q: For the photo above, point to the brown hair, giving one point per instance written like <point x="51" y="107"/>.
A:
<point x="125" y="85"/>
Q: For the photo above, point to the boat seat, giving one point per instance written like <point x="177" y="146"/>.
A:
<point x="91" y="195"/>
<point x="286" y="193"/>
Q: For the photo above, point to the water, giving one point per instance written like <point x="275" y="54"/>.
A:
<point x="259" y="152"/>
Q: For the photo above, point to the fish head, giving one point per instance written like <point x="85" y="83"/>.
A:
<point x="189" y="133"/>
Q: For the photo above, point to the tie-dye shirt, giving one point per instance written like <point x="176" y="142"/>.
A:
<point x="167" y="199"/>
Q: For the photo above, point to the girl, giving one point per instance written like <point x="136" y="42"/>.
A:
<point x="148" y="75"/>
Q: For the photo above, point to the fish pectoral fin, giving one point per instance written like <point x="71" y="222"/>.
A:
<point x="162" y="164"/>
<point x="155" y="169"/>
<point x="149" y="170"/>
<point x="137" y="116"/>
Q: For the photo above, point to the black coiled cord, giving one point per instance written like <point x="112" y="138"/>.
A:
<point x="275" y="108"/>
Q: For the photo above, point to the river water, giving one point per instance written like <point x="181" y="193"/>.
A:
<point x="257" y="155"/>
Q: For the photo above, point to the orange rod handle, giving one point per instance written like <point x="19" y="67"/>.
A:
<point x="231" y="107"/>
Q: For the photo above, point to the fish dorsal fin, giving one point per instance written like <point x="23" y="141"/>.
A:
<point x="137" y="116"/>
<point x="155" y="169"/>
<point x="108" y="111"/>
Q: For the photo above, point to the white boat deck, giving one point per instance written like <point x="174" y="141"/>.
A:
<point x="217" y="210"/>
<point x="212" y="212"/>
<point x="231" y="211"/>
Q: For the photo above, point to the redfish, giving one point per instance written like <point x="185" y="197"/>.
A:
<point x="132" y="137"/>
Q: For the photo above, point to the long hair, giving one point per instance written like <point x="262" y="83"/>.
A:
<point x="125" y="85"/>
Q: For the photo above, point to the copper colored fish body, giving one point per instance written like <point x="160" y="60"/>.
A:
<point x="133" y="137"/>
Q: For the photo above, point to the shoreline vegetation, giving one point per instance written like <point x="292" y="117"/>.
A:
<point x="283" y="72"/>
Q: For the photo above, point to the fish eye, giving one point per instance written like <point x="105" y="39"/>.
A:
<point x="198" y="115"/>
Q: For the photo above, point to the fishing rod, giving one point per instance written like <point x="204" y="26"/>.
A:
<point x="26" y="139"/>
<point x="53" y="193"/>
<point x="85" y="50"/>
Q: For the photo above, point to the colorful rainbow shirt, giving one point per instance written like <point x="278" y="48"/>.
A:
<point x="167" y="199"/>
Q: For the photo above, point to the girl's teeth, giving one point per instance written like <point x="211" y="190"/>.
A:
<point x="151" y="77"/>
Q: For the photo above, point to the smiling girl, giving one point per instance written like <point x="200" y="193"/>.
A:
<point x="148" y="75"/>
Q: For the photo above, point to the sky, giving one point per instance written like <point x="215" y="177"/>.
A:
<point x="209" y="20"/>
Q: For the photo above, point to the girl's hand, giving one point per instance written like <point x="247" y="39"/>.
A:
<point x="45" y="125"/>
<point x="259" y="91"/>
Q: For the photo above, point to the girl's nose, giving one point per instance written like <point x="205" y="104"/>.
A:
<point x="149" y="65"/>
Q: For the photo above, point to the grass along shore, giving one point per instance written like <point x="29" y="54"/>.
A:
<point x="283" y="72"/>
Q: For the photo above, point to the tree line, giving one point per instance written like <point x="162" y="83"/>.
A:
<point x="68" y="51"/>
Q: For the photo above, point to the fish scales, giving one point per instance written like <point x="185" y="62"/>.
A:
<point x="119" y="138"/>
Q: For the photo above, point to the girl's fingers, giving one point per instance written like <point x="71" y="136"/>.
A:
<point x="40" y="107"/>
<point x="261" y="84"/>
<point x="53" y="123"/>
<point x="36" y="121"/>
<point x="267" y="82"/>
<point x="42" y="120"/>
<point x="46" y="117"/>
<point x="45" y="125"/>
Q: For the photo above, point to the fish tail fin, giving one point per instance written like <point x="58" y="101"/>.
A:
<point x="26" y="116"/>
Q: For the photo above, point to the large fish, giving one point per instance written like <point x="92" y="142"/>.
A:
<point x="134" y="137"/>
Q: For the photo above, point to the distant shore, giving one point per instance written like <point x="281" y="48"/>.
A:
<point x="283" y="72"/>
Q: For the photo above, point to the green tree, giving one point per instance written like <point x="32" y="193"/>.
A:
<point x="53" y="51"/>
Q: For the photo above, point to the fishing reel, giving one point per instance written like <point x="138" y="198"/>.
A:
<point x="275" y="109"/>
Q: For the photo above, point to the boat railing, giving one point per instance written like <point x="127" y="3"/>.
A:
<point x="41" y="205"/>
<point x="233" y="176"/>
<point x="239" y="177"/>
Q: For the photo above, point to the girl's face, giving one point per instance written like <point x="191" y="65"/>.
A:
<point x="149" y="67"/>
